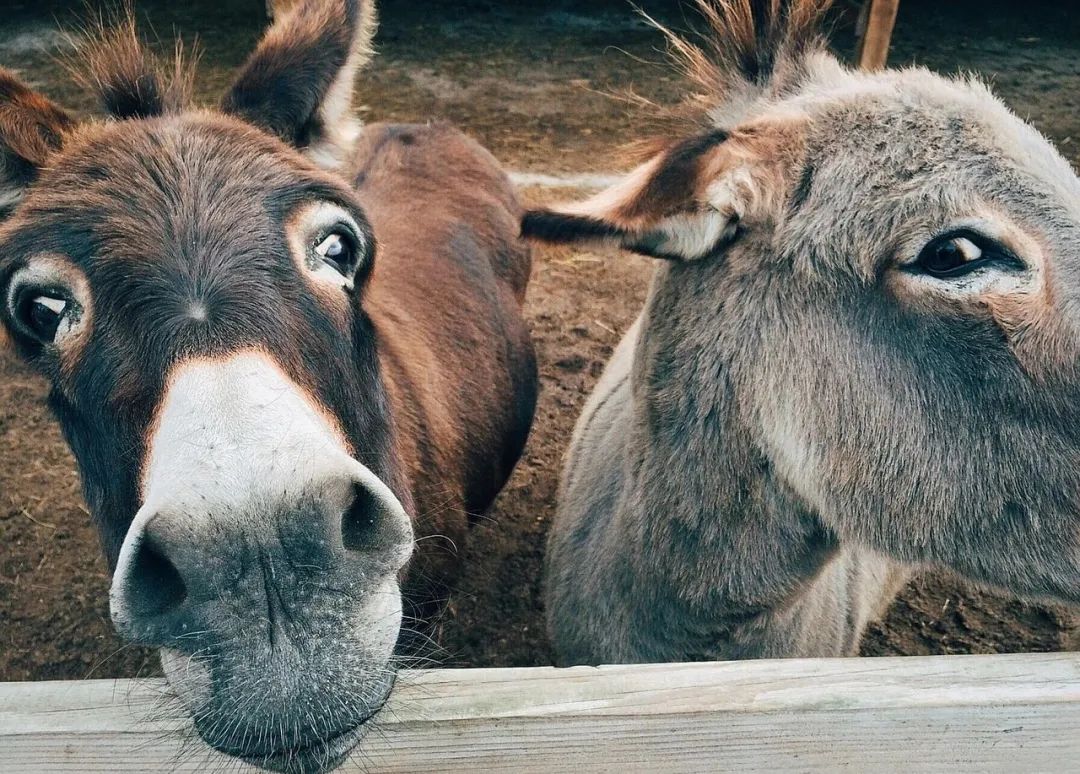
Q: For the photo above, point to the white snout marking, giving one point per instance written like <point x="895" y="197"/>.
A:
<point x="230" y="430"/>
<point x="230" y="437"/>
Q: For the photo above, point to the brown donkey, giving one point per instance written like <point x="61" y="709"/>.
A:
<point x="272" y="375"/>
<point x="860" y="354"/>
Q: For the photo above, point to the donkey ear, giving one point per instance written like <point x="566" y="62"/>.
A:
<point x="683" y="204"/>
<point x="298" y="84"/>
<point x="31" y="129"/>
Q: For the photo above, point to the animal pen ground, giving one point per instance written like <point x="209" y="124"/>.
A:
<point x="534" y="84"/>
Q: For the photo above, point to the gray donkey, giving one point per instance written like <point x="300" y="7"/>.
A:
<point x="859" y="356"/>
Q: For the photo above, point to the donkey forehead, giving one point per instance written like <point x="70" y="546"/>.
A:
<point x="893" y="159"/>
<point x="942" y="132"/>
<point x="179" y="226"/>
<point x="175" y="198"/>
<point x="154" y="176"/>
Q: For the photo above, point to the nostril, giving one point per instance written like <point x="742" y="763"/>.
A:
<point x="154" y="584"/>
<point x="360" y="522"/>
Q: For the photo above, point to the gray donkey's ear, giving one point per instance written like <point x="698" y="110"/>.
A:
<point x="691" y="199"/>
<point x="298" y="84"/>
<point x="687" y="201"/>
<point x="32" y="128"/>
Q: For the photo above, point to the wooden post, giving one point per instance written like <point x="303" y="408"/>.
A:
<point x="876" y="25"/>
<point x="941" y="713"/>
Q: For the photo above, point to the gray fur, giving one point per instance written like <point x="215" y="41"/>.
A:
<point x="798" y="421"/>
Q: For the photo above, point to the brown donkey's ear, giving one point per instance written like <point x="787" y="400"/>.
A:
<point x="684" y="203"/>
<point x="31" y="129"/>
<point x="298" y="83"/>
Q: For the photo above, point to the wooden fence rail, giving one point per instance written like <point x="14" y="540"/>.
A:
<point x="962" y="713"/>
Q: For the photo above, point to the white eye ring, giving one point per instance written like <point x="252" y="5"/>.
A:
<point x="49" y="300"/>
<point x="327" y="244"/>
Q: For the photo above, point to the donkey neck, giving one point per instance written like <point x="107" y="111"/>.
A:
<point x="717" y="531"/>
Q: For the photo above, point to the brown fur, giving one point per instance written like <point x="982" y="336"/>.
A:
<point x="263" y="428"/>
<point x="403" y="176"/>
<point x="298" y="82"/>
<point x="114" y="63"/>
<point x="665" y="192"/>
<point x="32" y="128"/>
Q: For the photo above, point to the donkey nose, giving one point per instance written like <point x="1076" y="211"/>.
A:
<point x="186" y="572"/>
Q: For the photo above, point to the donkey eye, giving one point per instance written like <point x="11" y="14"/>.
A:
<point x="946" y="257"/>
<point x="41" y="312"/>
<point x="338" y="250"/>
<point x="957" y="254"/>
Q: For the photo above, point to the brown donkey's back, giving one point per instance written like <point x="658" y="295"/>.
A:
<point x="446" y="299"/>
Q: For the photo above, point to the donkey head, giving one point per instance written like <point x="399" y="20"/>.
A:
<point x="192" y="283"/>
<point x="879" y="275"/>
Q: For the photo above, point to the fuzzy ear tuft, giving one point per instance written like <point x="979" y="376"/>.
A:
<point x="32" y="129"/>
<point x="298" y="84"/>
<point x="113" y="62"/>
<point x="685" y="203"/>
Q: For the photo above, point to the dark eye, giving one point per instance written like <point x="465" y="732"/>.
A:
<point x="40" y="312"/>
<point x="338" y="250"/>
<point x="956" y="254"/>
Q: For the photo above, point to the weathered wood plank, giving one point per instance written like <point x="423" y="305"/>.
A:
<point x="966" y="713"/>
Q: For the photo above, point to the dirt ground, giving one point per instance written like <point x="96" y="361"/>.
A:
<point x="534" y="84"/>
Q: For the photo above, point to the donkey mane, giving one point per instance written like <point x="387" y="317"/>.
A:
<point x="748" y="41"/>
<point x="112" y="61"/>
<point x="748" y="49"/>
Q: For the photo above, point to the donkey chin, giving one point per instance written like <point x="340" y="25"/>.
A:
<point x="279" y="660"/>
<point x="294" y="704"/>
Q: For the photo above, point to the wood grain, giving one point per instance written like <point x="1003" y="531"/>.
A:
<point x="956" y="713"/>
